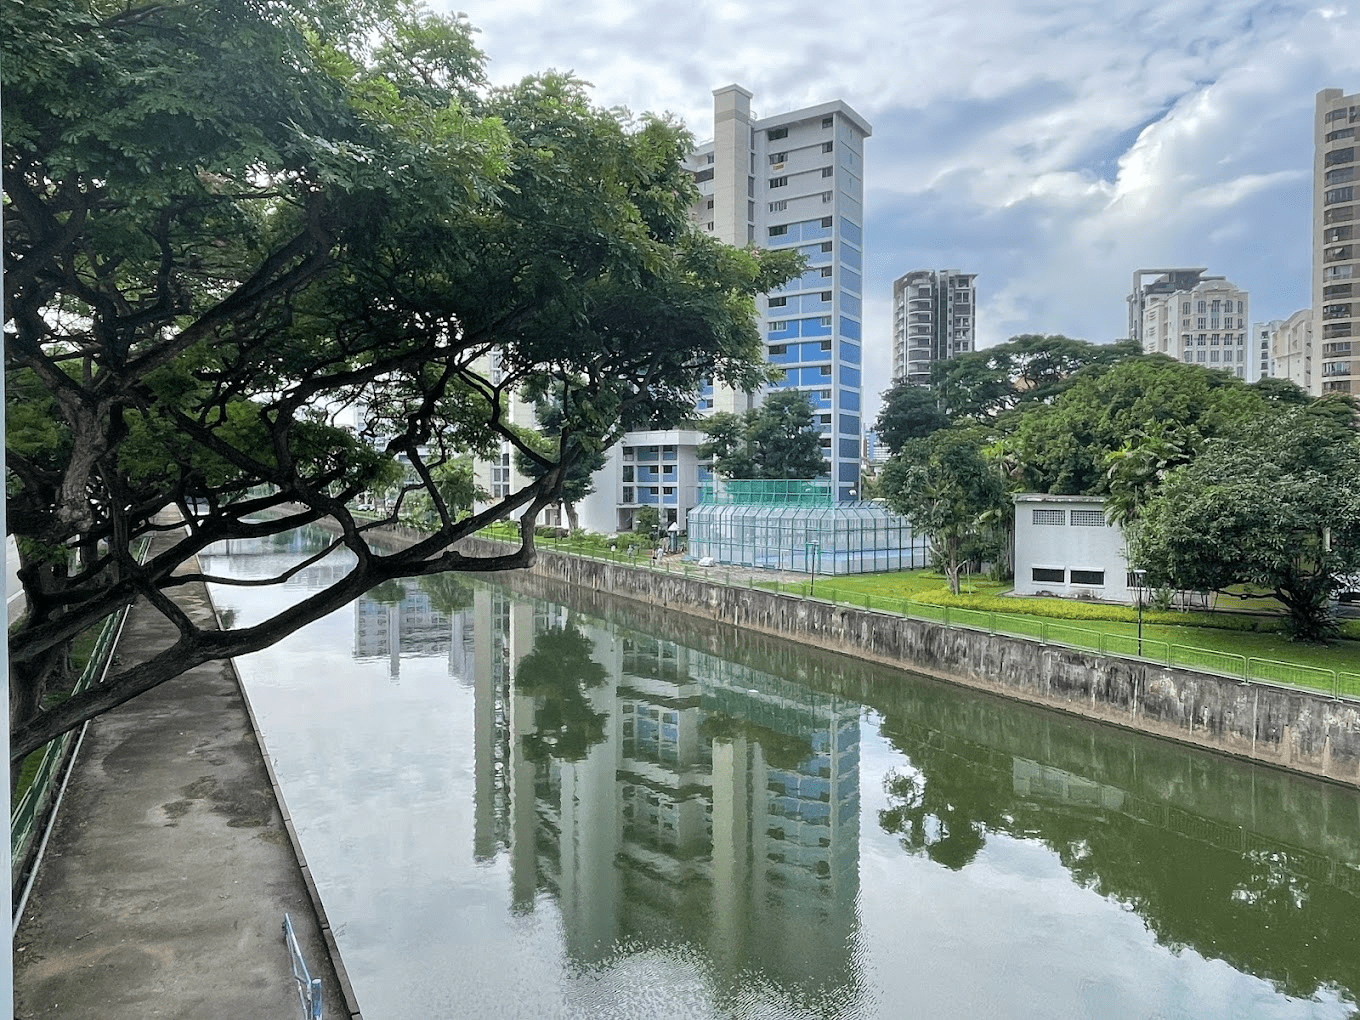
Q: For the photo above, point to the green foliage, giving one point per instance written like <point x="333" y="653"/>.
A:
<point x="1026" y="369"/>
<point x="227" y="222"/>
<point x="1064" y="446"/>
<point x="944" y="486"/>
<point x="778" y="439"/>
<point x="647" y="521"/>
<point x="1276" y="505"/>
<point x="909" y="412"/>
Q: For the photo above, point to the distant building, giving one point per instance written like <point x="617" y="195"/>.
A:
<point x="1064" y="545"/>
<point x="1336" y="313"/>
<point x="1291" y="350"/>
<point x="934" y="319"/>
<point x="1194" y="318"/>
<point x="1258" y="353"/>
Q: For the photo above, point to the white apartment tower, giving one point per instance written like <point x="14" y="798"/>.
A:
<point x="1194" y="318"/>
<point x="934" y="318"/>
<point x="1336" y="313"/>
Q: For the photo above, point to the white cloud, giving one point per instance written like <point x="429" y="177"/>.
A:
<point x="1051" y="148"/>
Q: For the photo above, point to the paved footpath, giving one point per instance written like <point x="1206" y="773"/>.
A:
<point x="170" y="868"/>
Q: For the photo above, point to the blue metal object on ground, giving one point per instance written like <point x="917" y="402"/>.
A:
<point x="309" y="988"/>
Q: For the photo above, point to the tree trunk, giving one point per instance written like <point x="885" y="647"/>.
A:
<point x="573" y="521"/>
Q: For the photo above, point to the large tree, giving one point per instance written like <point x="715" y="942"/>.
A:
<point x="1064" y="445"/>
<point x="778" y="439"/>
<point x="1275" y="504"/>
<point x="1032" y="368"/>
<point x="946" y="488"/>
<point x="229" y="224"/>
<point x="909" y="411"/>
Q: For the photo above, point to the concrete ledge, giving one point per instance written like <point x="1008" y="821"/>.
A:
<point x="1285" y="727"/>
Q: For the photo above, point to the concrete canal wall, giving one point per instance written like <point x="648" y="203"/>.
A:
<point x="1281" y="726"/>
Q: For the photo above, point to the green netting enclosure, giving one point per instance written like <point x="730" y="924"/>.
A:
<point x="799" y="529"/>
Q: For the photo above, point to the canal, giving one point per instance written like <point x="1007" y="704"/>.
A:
<point x="514" y="807"/>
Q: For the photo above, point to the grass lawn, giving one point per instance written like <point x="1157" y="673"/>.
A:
<point x="1231" y="633"/>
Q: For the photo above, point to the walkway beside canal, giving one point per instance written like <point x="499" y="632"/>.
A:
<point x="163" y="889"/>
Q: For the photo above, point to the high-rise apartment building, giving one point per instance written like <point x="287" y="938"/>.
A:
<point x="791" y="181"/>
<point x="1194" y="318"/>
<point x="934" y="318"/>
<point x="1336" y="269"/>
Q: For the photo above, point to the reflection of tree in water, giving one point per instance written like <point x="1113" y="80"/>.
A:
<point x="1281" y="913"/>
<point x="389" y="593"/>
<point x="925" y="822"/>
<point x="448" y="593"/>
<point x="556" y="674"/>
<point x="782" y="751"/>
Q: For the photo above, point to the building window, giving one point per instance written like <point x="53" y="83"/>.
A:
<point x="777" y="350"/>
<point x="779" y="206"/>
<point x="1338" y="195"/>
<point x="1203" y="307"/>
<point x="826" y="245"/>
<point x="778" y="157"/>
<point x="779" y="325"/>
<point x="778" y="182"/>
<point x="1185" y="308"/>
<point x="827" y="196"/>
<point x="777" y="302"/>
<point x="774" y="134"/>
<point x="628" y="473"/>
<point x="1058" y="517"/>
<point x="826" y="222"/>
<point x="1088" y="519"/>
<point x="780" y="230"/>
<point x="628" y="494"/>
<point x="826" y="295"/>
<point x="827" y="270"/>
<point x="828" y="146"/>
<point x="1048" y="575"/>
<point x="828" y="171"/>
<point x="1346" y="155"/>
<point x="1088" y="577"/>
<point x="826" y="345"/>
<point x="827" y="122"/>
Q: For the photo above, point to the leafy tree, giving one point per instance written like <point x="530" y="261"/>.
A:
<point x="1275" y="505"/>
<point x="226" y="221"/>
<point x="647" y="521"/>
<point x="1026" y="369"/>
<point x="1064" y="445"/>
<point x="909" y="412"/>
<point x="944" y="486"/>
<point x="778" y="439"/>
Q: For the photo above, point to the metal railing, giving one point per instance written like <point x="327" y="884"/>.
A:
<point x="28" y="812"/>
<point x="1249" y="669"/>
<point x="308" y="987"/>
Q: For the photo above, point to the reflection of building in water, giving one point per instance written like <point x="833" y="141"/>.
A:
<point x="721" y="807"/>
<point x="1030" y="779"/>
<point x="413" y="626"/>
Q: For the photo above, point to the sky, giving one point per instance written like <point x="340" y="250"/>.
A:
<point x="1050" y="146"/>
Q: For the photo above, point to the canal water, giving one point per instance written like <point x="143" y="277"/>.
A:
<point x="518" y="808"/>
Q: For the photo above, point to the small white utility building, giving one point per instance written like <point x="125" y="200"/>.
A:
<point x="1065" y="546"/>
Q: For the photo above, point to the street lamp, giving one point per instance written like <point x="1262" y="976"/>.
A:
<point x="1139" y="576"/>
<point x="810" y="550"/>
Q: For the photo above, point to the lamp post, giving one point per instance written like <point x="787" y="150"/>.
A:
<point x="1138" y="577"/>
<point x="810" y="550"/>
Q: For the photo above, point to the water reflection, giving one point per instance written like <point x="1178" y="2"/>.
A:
<point x="664" y="796"/>
<point x="747" y="828"/>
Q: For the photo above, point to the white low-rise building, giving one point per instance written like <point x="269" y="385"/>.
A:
<point x="1064" y="545"/>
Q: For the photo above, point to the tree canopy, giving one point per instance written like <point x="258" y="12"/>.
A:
<point x="1275" y="504"/>
<point x="778" y="439"/>
<point x="945" y="487"/>
<point x="909" y="411"/>
<point x="1027" y="369"/>
<point x="231" y="226"/>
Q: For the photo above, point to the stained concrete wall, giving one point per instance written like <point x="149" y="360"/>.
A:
<point x="1293" y="729"/>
